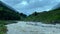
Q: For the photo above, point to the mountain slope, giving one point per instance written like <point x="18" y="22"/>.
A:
<point x="52" y="16"/>
<point x="6" y="13"/>
<point x="56" y="6"/>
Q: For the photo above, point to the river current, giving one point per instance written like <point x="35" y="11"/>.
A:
<point x="32" y="28"/>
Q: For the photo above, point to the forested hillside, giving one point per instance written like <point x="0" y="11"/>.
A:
<point x="52" y="16"/>
<point x="6" y="13"/>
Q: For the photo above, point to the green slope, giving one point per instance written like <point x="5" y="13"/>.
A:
<point x="52" y="16"/>
<point x="9" y="14"/>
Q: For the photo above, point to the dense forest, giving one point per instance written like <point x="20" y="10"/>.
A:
<point x="52" y="16"/>
<point x="7" y="13"/>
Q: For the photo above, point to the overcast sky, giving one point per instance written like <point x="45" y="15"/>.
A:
<point x="29" y="6"/>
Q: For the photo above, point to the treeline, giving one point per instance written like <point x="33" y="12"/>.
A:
<point x="9" y="14"/>
<point x="52" y="16"/>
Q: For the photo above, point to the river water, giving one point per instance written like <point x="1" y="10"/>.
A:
<point x="32" y="28"/>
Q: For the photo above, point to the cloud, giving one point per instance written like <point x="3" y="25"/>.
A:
<point x="29" y="6"/>
<point x="11" y="2"/>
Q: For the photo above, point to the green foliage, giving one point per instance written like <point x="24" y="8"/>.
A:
<point x="3" y="29"/>
<point x="8" y="13"/>
<point x="2" y="22"/>
<point x="52" y="16"/>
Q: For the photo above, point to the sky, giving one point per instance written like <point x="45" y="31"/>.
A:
<point x="30" y="6"/>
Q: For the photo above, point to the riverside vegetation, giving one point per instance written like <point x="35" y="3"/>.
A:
<point x="8" y="13"/>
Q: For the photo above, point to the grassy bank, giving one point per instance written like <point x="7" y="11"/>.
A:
<point x="5" y="22"/>
<point x="3" y="29"/>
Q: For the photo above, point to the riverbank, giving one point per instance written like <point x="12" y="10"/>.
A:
<point x="5" y="22"/>
<point x="3" y="29"/>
